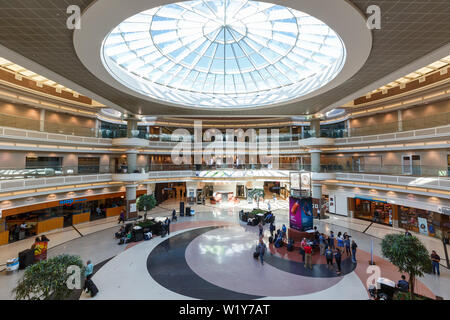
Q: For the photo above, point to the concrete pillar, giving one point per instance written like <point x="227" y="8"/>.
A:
<point x="400" y="120"/>
<point x="315" y="127"/>
<point x="42" y="120"/>
<point x="316" y="191"/>
<point x="97" y="128"/>
<point x="317" y="200"/>
<point x="150" y="188"/>
<point x="131" y="201"/>
<point x="131" y="126"/>
<point x="315" y="160"/>
<point x="131" y="160"/>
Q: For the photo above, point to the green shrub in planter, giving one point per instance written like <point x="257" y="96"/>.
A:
<point x="47" y="279"/>
<point x="408" y="254"/>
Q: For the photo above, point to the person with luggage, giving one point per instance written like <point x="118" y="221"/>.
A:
<point x="261" y="249"/>
<point x="308" y="256"/>
<point x="122" y="217"/>
<point x="89" y="285"/>
<point x="435" y="259"/>
<point x="354" y="246"/>
<point x="338" y="258"/>
<point x="329" y="256"/>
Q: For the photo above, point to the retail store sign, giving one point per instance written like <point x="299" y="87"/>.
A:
<point x="445" y="210"/>
<point x="372" y="199"/>
<point x="70" y="202"/>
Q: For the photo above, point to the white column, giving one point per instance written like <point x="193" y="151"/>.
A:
<point x="349" y="128"/>
<point x="131" y="160"/>
<point x="131" y="201"/>
<point x="97" y="127"/>
<point x="42" y="120"/>
<point x="400" y="120"/>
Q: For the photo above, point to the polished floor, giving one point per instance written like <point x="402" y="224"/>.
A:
<point x="209" y="256"/>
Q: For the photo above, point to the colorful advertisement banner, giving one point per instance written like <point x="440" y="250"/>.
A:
<point x="300" y="213"/>
<point x="423" y="225"/>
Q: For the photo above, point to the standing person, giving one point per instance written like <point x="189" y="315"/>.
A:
<point x="407" y="233"/>
<point x="347" y="245"/>
<point x="272" y="229"/>
<point x="329" y="257"/>
<point x="337" y="258"/>
<point x="268" y="205"/>
<point x="262" y="250"/>
<point x="302" y="250"/>
<point x="322" y="244"/>
<point x="402" y="284"/>
<point x="340" y="241"/>
<point x="174" y="215"/>
<point x="331" y="240"/>
<point x="435" y="259"/>
<point x="167" y="223"/>
<point x="308" y="256"/>
<point x="261" y="229"/>
<point x="354" y="246"/>
<point x="88" y="272"/>
<point x="121" y="217"/>
<point x="283" y="230"/>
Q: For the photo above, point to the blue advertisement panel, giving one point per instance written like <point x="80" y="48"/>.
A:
<point x="300" y="213"/>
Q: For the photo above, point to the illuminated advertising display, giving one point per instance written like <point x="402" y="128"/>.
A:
<point x="300" y="213"/>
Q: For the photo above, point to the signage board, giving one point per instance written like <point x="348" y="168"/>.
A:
<point x="300" y="213"/>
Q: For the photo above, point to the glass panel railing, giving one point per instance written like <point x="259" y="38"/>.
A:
<point x="399" y="170"/>
<point x="50" y="171"/>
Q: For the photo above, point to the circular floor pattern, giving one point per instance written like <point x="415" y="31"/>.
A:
<point x="224" y="257"/>
<point x="167" y="266"/>
<point x="217" y="263"/>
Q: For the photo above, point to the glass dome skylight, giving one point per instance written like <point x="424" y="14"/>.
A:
<point x="223" y="54"/>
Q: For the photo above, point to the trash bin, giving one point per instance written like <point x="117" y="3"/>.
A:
<point x="26" y="258"/>
<point x="12" y="264"/>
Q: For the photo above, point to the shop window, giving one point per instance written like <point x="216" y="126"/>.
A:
<point x="88" y="165"/>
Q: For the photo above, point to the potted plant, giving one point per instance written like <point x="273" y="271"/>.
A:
<point x="146" y="202"/>
<point x="408" y="254"/>
<point x="47" y="279"/>
<point x="258" y="193"/>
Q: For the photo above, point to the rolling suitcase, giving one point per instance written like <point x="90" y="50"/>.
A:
<point x="256" y="254"/>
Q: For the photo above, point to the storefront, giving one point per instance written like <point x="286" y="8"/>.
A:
<point x="373" y="209"/>
<point x="28" y="221"/>
<point x="425" y="222"/>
